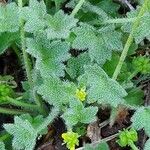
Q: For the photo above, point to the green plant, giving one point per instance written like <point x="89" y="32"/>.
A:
<point x="75" y="63"/>
<point x="128" y="137"/>
<point x="71" y="139"/>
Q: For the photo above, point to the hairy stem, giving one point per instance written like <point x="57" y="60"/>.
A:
<point x="11" y="111"/>
<point x="129" y="41"/>
<point x="119" y="20"/>
<point x="26" y="60"/>
<point x="77" y="8"/>
<point x="22" y="104"/>
<point x="16" y="50"/>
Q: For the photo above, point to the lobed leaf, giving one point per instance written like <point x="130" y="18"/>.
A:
<point x="59" y="25"/>
<point x="2" y="146"/>
<point x="34" y="15"/>
<point x="75" y="65"/>
<point x="9" y="18"/>
<point x="57" y="92"/>
<point x="49" y="55"/>
<point x="77" y="113"/>
<point x="7" y="39"/>
<point x="147" y="145"/>
<point x="141" y="119"/>
<point x="101" y="88"/>
<point x="99" y="43"/>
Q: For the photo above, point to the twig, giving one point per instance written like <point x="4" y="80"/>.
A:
<point x="126" y="2"/>
<point x="101" y="141"/>
<point x="104" y="123"/>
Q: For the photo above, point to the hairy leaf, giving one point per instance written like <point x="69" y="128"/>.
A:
<point x="75" y="65"/>
<point x="141" y="119"/>
<point x="101" y="88"/>
<point x="147" y="145"/>
<point x="2" y="146"/>
<point x="109" y="7"/>
<point x="99" y="43"/>
<point x="25" y="133"/>
<point x="78" y="113"/>
<point x="59" y="25"/>
<point x="57" y="92"/>
<point x="143" y="31"/>
<point x="6" y="39"/>
<point x="35" y="16"/>
<point x="135" y="97"/>
<point x="49" y="55"/>
<point x="9" y="20"/>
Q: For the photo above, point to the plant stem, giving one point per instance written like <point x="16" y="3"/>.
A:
<point x="22" y="104"/>
<point x="129" y="41"/>
<point x="119" y="20"/>
<point x="27" y="60"/>
<point x="101" y="141"/>
<point x="132" y="145"/>
<point x="23" y="45"/>
<point x="11" y="111"/>
<point x="132" y="75"/>
<point x="77" y="7"/>
<point x="17" y="52"/>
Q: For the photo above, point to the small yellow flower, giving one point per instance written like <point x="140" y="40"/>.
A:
<point x="71" y="139"/>
<point x="81" y="94"/>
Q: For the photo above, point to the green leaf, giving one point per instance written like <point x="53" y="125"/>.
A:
<point x="59" y="25"/>
<point x="141" y="64"/>
<point x="143" y="30"/>
<point x="135" y="97"/>
<point x="101" y="146"/>
<point x="141" y="119"/>
<point x="99" y="43"/>
<point x="35" y="121"/>
<point x="132" y="14"/>
<point x="147" y="145"/>
<point x="75" y="65"/>
<point x="77" y="113"/>
<point x="109" y="7"/>
<point x="2" y="146"/>
<point x="57" y="92"/>
<point x="92" y="9"/>
<point x="5" y="92"/>
<point x="49" y="55"/>
<point x="34" y="16"/>
<point x="7" y="39"/>
<point x="101" y="88"/>
<point x="127" y="136"/>
<point x="9" y="20"/>
<point x="25" y="133"/>
<point x="58" y="3"/>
